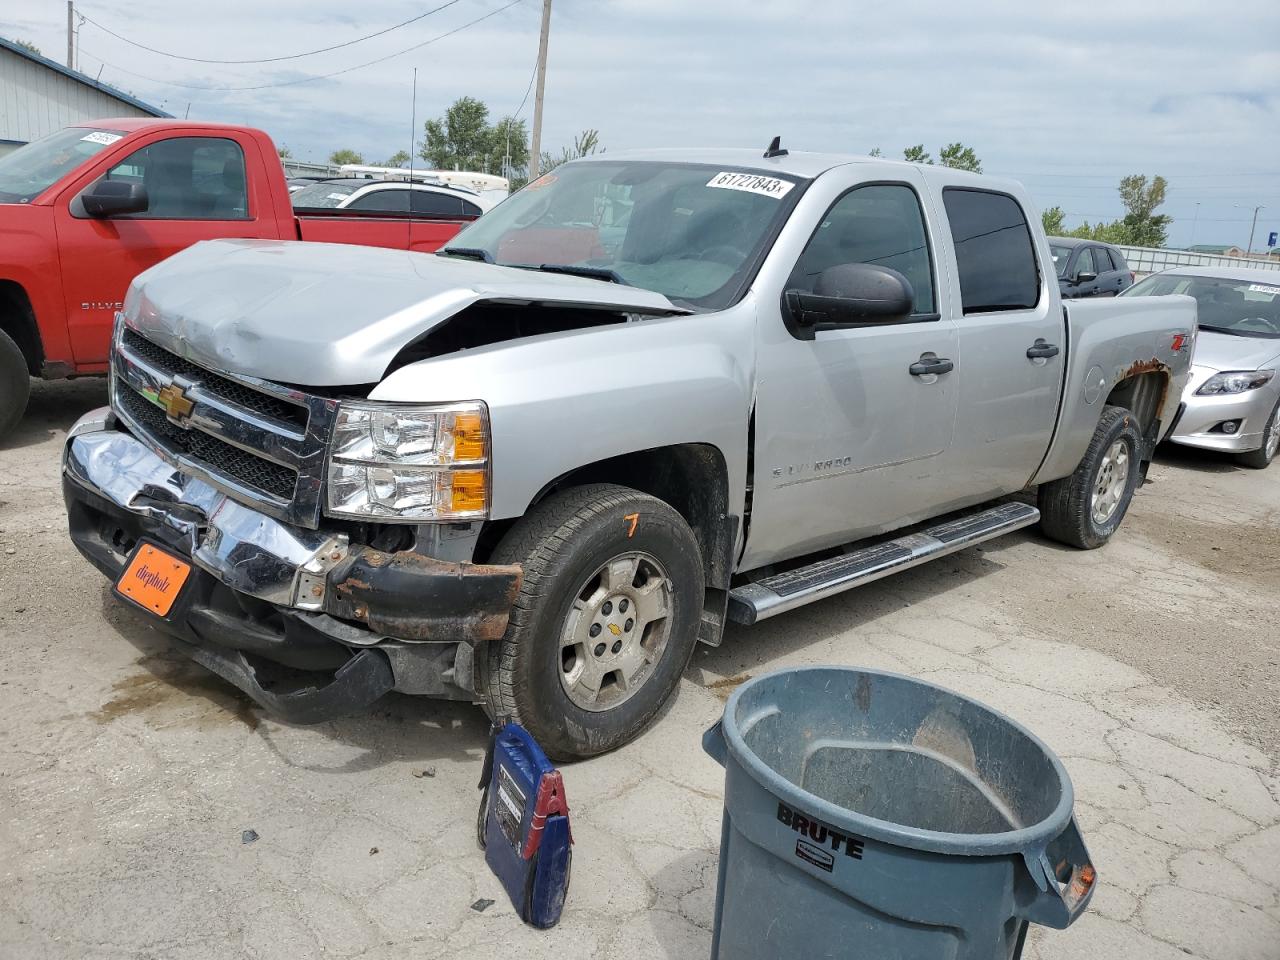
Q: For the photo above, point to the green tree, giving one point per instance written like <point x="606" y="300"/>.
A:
<point x="959" y="157"/>
<point x="917" y="154"/>
<point x="28" y="45"/>
<point x="1142" y="225"/>
<point x="875" y="152"/>
<point x="508" y="148"/>
<point x="284" y="151"/>
<point x="1053" y="221"/>
<point x="461" y="139"/>
<point x="397" y="159"/>
<point x="339" y="157"/>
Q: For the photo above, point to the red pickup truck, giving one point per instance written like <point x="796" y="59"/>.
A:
<point x="85" y="210"/>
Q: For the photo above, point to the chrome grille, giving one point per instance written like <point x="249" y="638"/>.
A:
<point x="261" y="443"/>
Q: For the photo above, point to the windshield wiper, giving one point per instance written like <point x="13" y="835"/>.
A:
<point x="468" y="253"/>
<point x="1228" y="331"/>
<point x="591" y="273"/>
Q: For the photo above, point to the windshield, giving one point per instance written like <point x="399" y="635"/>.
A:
<point x="1060" y="257"/>
<point x="323" y="194"/>
<point x="691" y="232"/>
<point x="1244" y="308"/>
<point x="29" y="171"/>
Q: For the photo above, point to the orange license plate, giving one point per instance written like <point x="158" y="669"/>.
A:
<point x="153" y="579"/>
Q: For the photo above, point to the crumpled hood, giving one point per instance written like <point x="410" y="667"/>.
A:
<point x="1222" y="351"/>
<point x="323" y="314"/>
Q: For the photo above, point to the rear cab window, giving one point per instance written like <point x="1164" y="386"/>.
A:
<point x="995" y="255"/>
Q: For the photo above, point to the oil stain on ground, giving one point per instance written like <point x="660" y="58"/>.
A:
<point x="176" y="694"/>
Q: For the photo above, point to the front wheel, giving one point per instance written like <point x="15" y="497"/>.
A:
<point x="15" y="384"/>
<point x="1261" y="458"/>
<point x="605" y="621"/>
<point x="1085" y="509"/>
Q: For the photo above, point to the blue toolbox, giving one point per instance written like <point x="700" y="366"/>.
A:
<point x="523" y="825"/>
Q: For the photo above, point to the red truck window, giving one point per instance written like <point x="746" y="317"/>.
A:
<point x="189" y="178"/>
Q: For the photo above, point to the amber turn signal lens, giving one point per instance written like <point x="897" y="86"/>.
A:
<point x="468" y="437"/>
<point x="468" y="491"/>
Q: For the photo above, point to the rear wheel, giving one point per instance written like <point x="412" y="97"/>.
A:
<point x="1085" y="509"/>
<point x="1261" y="458"/>
<point x="605" y="622"/>
<point x="15" y="384"/>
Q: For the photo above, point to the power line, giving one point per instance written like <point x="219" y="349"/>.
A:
<point x="322" y="76"/>
<point x="292" y="56"/>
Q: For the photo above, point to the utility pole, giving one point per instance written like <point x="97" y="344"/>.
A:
<point x="1254" y="226"/>
<point x="535" y="151"/>
<point x="1193" y="225"/>
<point x="71" y="34"/>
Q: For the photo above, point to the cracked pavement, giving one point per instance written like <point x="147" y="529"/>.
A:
<point x="127" y="775"/>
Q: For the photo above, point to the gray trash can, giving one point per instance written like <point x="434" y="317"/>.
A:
<point x="871" y="815"/>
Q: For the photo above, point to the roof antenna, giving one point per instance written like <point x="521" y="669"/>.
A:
<point x="775" y="149"/>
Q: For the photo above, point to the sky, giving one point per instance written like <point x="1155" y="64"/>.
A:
<point x="1066" y="97"/>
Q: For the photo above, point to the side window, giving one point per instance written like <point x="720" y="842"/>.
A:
<point x="382" y="201"/>
<point x="470" y="209"/>
<point x="1105" y="259"/>
<point x="1085" y="262"/>
<point x="436" y="204"/>
<point x="1118" y="260"/>
<point x="880" y="224"/>
<point x="994" y="253"/>
<point x="188" y="178"/>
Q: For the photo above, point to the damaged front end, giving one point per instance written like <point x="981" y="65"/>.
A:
<point x="310" y="623"/>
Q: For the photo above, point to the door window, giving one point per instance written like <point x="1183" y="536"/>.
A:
<point x="880" y="224"/>
<point x="1085" y="262"/>
<point x="436" y="204"/>
<point x="382" y="201"/>
<point x="994" y="252"/>
<point x="188" y="178"/>
<point x="1105" y="259"/>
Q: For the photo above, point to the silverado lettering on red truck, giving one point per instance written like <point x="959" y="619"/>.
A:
<point x="654" y="395"/>
<point x="83" y="211"/>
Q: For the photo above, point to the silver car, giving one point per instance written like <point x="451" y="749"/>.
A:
<point x="1232" y="401"/>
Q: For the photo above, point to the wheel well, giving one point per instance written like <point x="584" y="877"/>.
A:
<point x="1142" y="395"/>
<point x="18" y="320"/>
<point x="691" y="477"/>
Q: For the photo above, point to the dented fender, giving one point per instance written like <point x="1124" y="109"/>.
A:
<point x="416" y="597"/>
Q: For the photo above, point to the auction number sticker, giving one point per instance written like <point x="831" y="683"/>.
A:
<point x="102" y="137"/>
<point x="1263" y="288"/>
<point x="752" y="183"/>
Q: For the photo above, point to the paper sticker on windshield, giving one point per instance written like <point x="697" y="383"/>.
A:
<point x="102" y="137"/>
<point x="1263" y="288"/>
<point x="752" y="183"/>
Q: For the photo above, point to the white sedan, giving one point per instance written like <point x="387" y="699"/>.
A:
<point x="391" y="196"/>
<point x="1232" y="402"/>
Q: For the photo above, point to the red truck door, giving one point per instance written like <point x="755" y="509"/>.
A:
<point x="197" y="189"/>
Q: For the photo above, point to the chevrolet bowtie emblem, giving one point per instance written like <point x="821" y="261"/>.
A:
<point x="175" y="402"/>
<point x="615" y="629"/>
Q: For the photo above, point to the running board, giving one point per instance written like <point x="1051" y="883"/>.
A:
<point x="786" y="591"/>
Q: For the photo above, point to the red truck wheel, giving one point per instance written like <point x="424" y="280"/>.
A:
<point x="15" y="384"/>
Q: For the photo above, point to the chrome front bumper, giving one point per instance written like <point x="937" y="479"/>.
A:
<point x="247" y="551"/>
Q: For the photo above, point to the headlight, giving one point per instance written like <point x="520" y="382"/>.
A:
<point x="1234" y="381"/>
<point x="402" y="462"/>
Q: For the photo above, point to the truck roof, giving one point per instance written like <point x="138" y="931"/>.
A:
<point x="133" y="124"/>
<point x="799" y="163"/>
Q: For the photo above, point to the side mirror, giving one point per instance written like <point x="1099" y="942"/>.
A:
<point x="850" y="295"/>
<point x="114" y="198"/>
<point x="1086" y="277"/>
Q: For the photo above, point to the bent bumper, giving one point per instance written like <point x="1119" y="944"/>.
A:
<point x="264" y="595"/>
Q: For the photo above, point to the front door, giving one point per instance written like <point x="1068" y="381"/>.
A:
<point x="848" y="441"/>
<point x="1013" y="347"/>
<point x="196" y="190"/>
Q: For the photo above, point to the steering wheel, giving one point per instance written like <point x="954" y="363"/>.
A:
<point x="1275" y="326"/>
<point x="723" y="253"/>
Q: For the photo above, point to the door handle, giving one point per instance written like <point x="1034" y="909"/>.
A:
<point x="1040" y="350"/>
<point x="930" y="365"/>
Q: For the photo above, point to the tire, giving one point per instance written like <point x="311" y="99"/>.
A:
<point x="1067" y="506"/>
<point x="591" y="555"/>
<point x="1261" y="458"/>
<point x="15" y="384"/>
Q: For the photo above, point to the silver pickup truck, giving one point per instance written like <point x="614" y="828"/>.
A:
<point x="650" y="394"/>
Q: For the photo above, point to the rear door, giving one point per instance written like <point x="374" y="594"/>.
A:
<point x="848" y="442"/>
<point x="197" y="190"/>
<point x="1009" y="327"/>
